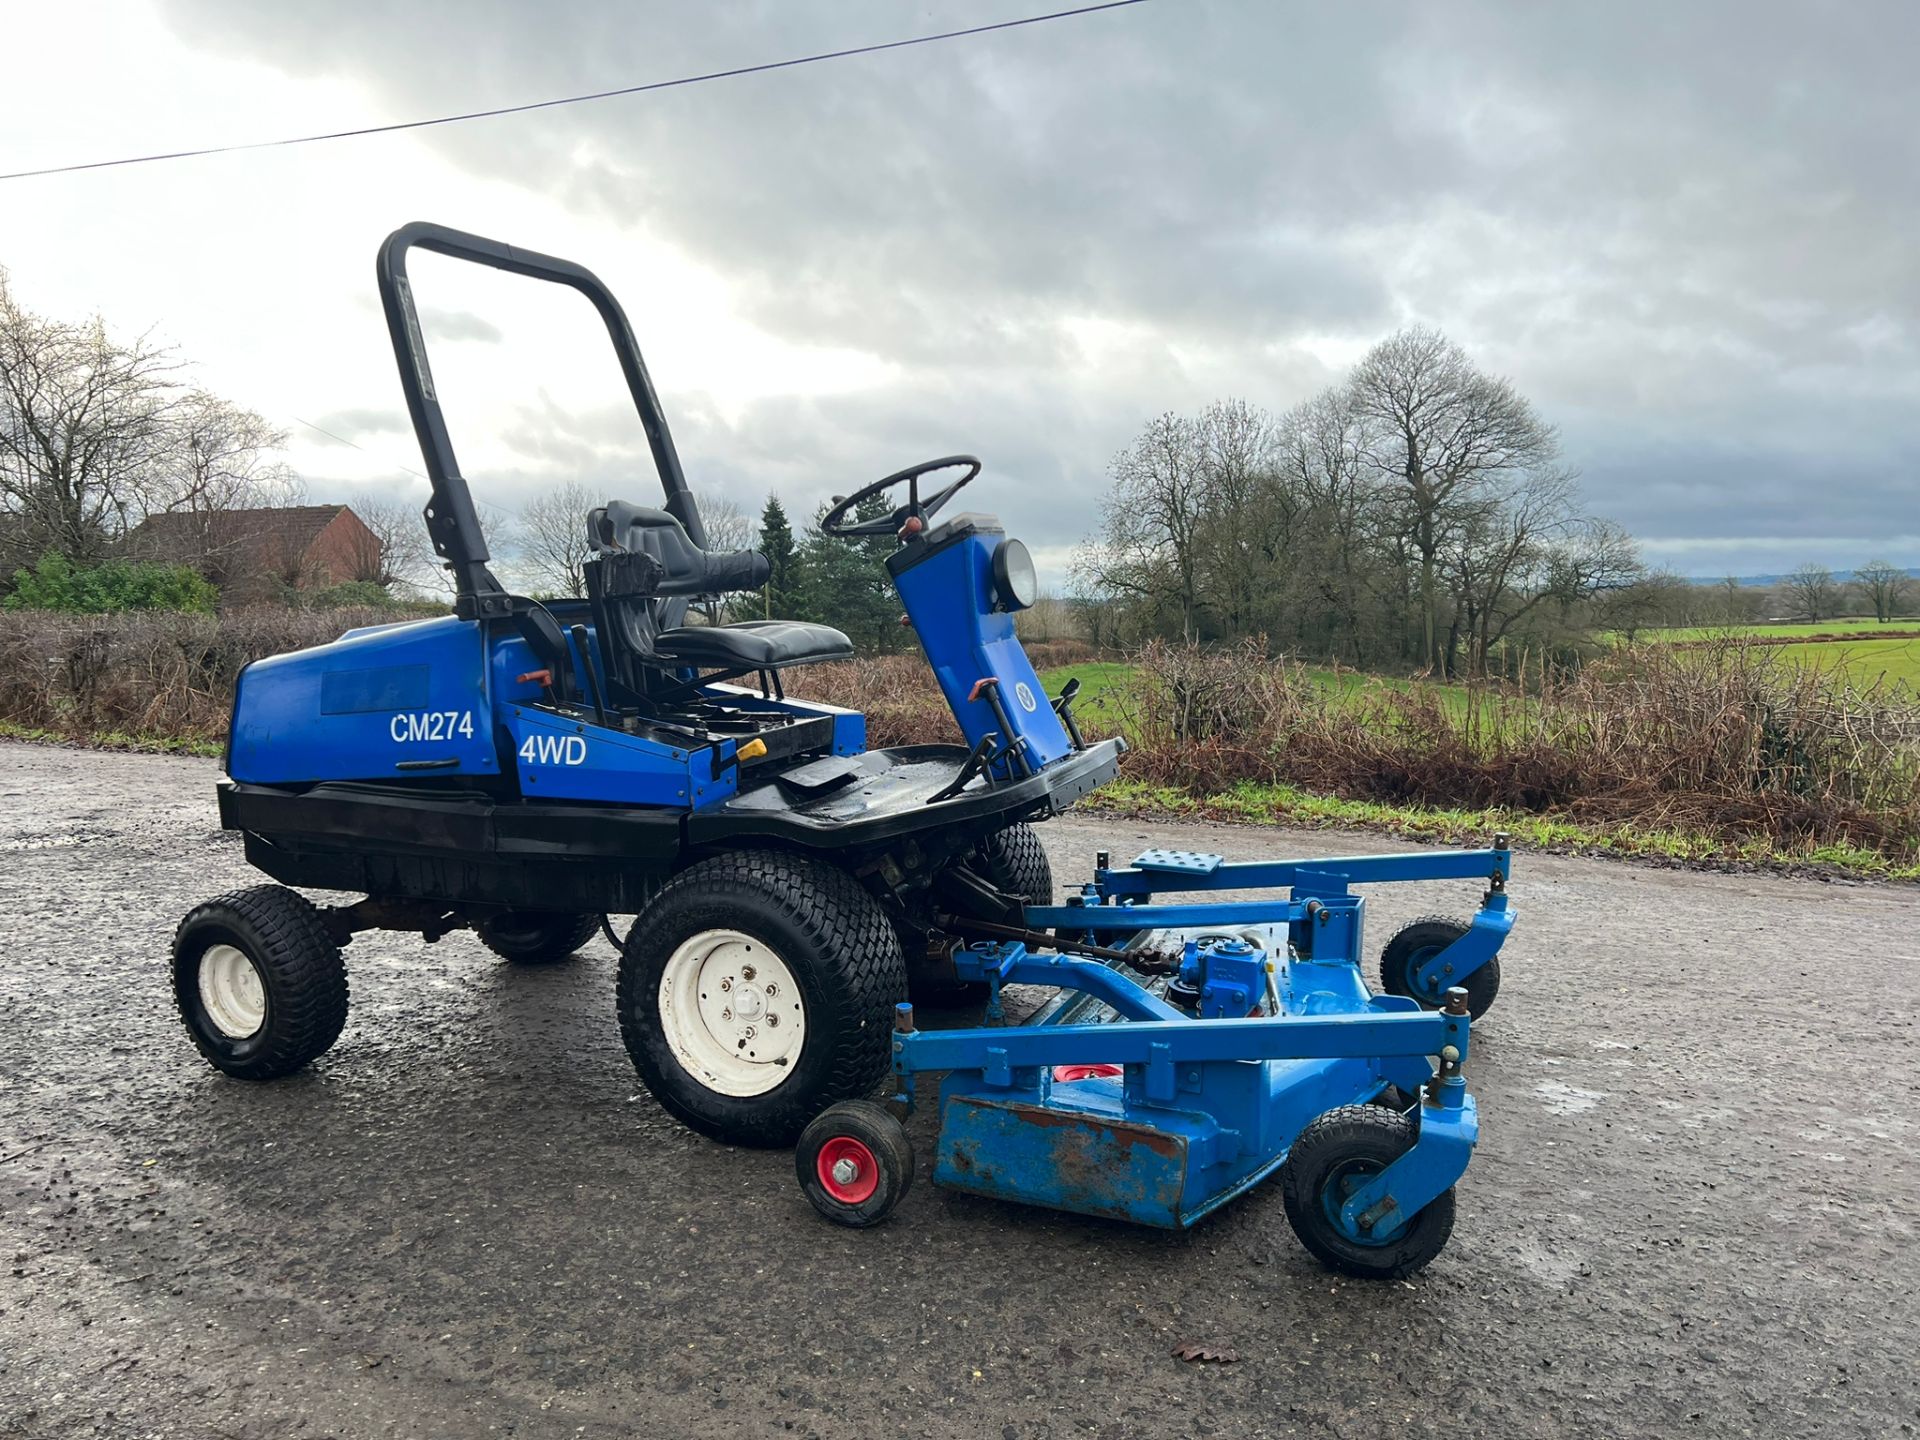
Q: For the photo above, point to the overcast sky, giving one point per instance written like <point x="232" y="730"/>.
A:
<point x="1689" y="233"/>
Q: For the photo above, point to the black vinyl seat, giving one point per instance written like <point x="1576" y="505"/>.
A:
<point x="754" y="644"/>
<point x="645" y="568"/>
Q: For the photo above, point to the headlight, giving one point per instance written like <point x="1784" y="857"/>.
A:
<point x="1014" y="577"/>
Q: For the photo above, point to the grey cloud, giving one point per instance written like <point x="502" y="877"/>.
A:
<point x="1686" y="231"/>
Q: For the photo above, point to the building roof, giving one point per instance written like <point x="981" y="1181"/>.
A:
<point x="293" y="526"/>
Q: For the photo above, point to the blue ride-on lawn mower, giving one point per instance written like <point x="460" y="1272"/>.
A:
<point x="525" y="768"/>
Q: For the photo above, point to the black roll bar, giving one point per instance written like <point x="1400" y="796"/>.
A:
<point x="452" y="523"/>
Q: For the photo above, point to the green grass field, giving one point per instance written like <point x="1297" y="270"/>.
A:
<point x="1099" y="679"/>
<point x="1785" y="630"/>
<point x="1864" y="662"/>
<point x="1857" y="654"/>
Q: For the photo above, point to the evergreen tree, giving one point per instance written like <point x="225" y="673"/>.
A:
<point x="844" y="583"/>
<point x="780" y="597"/>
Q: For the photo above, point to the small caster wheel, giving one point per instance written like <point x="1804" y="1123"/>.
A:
<point x="1335" y="1155"/>
<point x="855" y="1163"/>
<point x="1416" y="942"/>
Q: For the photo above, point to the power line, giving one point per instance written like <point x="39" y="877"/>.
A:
<point x="361" y="448"/>
<point x="577" y="99"/>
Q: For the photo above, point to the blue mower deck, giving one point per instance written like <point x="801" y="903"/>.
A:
<point x="1111" y="1101"/>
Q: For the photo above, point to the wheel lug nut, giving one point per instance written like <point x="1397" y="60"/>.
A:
<point x="727" y="983"/>
<point x="746" y="972"/>
<point x="772" y="1020"/>
<point x="726" y="1013"/>
<point x="845" y="1172"/>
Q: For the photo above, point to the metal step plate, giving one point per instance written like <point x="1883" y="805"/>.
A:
<point x="1177" y="862"/>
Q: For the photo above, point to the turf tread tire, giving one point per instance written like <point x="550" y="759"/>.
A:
<point x="852" y="976"/>
<point x="1368" y="1132"/>
<point x="305" y="977"/>
<point x="1017" y="863"/>
<point x="561" y="936"/>
<point x="1424" y="930"/>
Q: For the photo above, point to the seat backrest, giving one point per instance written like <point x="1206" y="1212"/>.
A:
<point x="633" y="603"/>
<point x="618" y="525"/>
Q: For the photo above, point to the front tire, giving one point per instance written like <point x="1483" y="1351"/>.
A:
<point x="259" y="982"/>
<point x="1339" y="1151"/>
<point x="536" y="937"/>
<point x="756" y="990"/>
<point x="1016" y="862"/>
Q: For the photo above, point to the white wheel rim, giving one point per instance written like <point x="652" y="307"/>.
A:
<point x="231" y="992"/>
<point x="732" y="1013"/>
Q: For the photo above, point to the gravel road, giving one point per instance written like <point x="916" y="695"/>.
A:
<point x="1693" y="1210"/>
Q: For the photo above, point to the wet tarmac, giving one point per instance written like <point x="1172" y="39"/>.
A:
<point x="1693" y="1210"/>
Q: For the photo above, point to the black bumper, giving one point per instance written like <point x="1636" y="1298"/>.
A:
<point x="471" y="847"/>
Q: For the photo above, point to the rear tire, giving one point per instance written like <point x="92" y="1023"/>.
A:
<point x="259" y="982"/>
<point x="536" y="937"/>
<point x="732" y="950"/>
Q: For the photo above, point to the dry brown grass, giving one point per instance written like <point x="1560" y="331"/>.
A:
<point x="164" y="675"/>
<point x="1731" y="742"/>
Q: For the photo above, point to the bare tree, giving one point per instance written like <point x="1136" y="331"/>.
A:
<point x="84" y="422"/>
<point x="1812" y="593"/>
<point x="1658" y="597"/>
<point x="1884" y="586"/>
<point x="216" y="461"/>
<point x="1150" y="543"/>
<point x="1249" y="515"/>
<point x="395" y="549"/>
<point x="1323" y="447"/>
<point x="1735" y="603"/>
<point x="1442" y="432"/>
<point x="553" y="537"/>
<point x="1517" y="548"/>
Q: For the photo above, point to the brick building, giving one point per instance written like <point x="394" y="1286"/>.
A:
<point x="252" y="554"/>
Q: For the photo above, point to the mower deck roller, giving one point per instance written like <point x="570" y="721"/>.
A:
<point x="525" y="768"/>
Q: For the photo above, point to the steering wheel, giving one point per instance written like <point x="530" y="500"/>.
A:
<point x="913" y="515"/>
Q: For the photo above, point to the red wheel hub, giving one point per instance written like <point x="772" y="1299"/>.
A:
<point x="1087" y="1072"/>
<point x="847" y="1170"/>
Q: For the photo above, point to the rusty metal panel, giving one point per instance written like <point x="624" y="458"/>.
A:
<point x="1039" y="1155"/>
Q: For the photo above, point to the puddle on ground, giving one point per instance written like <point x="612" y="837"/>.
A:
<point x="1563" y="1099"/>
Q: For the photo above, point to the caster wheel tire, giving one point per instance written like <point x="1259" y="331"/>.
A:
<point x="756" y="990"/>
<point x="536" y="937"/>
<point x="855" y="1163"/>
<point x="1335" y="1155"/>
<point x="260" y="984"/>
<point x="1410" y="948"/>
